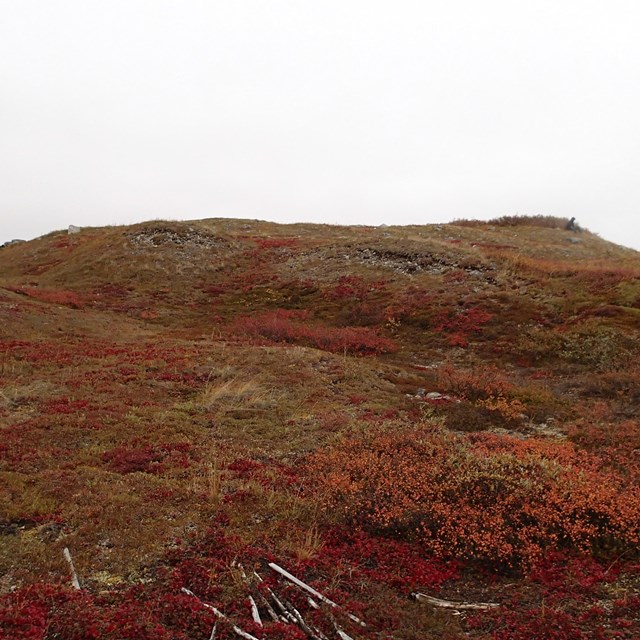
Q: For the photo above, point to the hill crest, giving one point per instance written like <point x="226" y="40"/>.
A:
<point x="180" y="396"/>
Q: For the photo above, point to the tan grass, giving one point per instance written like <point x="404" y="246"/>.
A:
<point x="309" y="545"/>
<point x="209" y="480"/>
<point x="236" y="394"/>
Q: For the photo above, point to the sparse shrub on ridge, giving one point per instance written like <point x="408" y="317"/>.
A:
<point x="484" y="497"/>
<point x="551" y="222"/>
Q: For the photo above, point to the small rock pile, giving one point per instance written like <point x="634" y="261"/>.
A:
<point x="188" y="238"/>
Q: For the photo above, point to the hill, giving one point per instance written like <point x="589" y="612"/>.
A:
<point x="446" y="409"/>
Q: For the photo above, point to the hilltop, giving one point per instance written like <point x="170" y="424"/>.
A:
<point x="448" y="409"/>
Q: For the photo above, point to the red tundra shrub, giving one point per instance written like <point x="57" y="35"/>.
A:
<point x="484" y="497"/>
<point x="275" y="243"/>
<point x="21" y="618"/>
<point x="137" y="456"/>
<point x="398" y="564"/>
<point x="129" y="460"/>
<point x="352" y="287"/>
<point x="285" y="325"/>
<point x="460" y="325"/>
<point x="44" y="611"/>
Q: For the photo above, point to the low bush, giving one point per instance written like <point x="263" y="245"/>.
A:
<point x="460" y="325"/>
<point x="483" y="497"/>
<point x="291" y="326"/>
<point x="599" y="347"/>
<point x="550" y="222"/>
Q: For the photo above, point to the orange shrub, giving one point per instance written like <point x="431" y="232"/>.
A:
<point x="485" y="497"/>
<point x="618" y="444"/>
<point x="485" y="388"/>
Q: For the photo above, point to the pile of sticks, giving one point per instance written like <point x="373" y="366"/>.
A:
<point x="263" y="601"/>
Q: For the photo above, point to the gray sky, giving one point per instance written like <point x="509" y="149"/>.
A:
<point x="349" y="111"/>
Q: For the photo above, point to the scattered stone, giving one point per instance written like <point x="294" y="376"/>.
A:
<point x="187" y="238"/>
<point x="420" y="393"/>
<point x="73" y="229"/>
<point x="573" y="240"/>
<point x="15" y="527"/>
<point x="434" y="395"/>
<point x="50" y="532"/>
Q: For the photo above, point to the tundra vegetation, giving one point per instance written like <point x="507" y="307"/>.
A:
<point x="447" y="410"/>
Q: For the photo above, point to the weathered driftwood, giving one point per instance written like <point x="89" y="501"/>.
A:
<point x="237" y="630"/>
<point x="450" y="604"/>
<point x="74" y="576"/>
<point x="312" y="591"/>
<point x="255" y="614"/>
<point x="263" y="601"/>
<point x="302" y="624"/>
<point x="286" y="616"/>
<point x="341" y="634"/>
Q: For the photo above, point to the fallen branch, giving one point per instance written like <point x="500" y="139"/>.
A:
<point x="341" y="634"/>
<point x="450" y="604"/>
<point x="286" y="616"/>
<point x="255" y="614"/>
<point x="269" y="608"/>
<point x="74" y="576"/>
<point x="237" y="630"/>
<point x="265" y="603"/>
<point x="314" y="635"/>
<point x="313" y="592"/>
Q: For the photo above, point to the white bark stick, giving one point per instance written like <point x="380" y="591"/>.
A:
<point x="302" y="624"/>
<point x="255" y="614"/>
<point x="269" y="608"/>
<point x="74" y="576"/>
<point x="237" y="630"/>
<point x="341" y="634"/>
<point x="287" y="616"/>
<point x="312" y="591"/>
<point x="449" y="604"/>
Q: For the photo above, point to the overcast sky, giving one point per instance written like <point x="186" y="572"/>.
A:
<point x="336" y="111"/>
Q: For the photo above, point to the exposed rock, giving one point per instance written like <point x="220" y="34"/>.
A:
<point x="8" y="243"/>
<point x="15" y="527"/>
<point x="73" y="229"/>
<point x="188" y="238"/>
<point x="50" y="532"/>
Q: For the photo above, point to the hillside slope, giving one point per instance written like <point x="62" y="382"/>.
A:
<point x="449" y="409"/>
